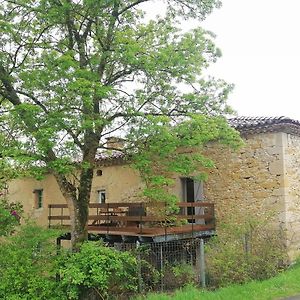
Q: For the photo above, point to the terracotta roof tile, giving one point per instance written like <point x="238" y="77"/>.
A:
<point x="251" y="125"/>
<point x="107" y="159"/>
<point x="245" y="125"/>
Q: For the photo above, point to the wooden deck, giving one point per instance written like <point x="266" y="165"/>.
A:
<point x="143" y="221"/>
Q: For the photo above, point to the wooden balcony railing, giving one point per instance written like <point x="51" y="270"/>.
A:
<point x="147" y="219"/>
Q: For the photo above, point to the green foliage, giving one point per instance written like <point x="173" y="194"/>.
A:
<point x="69" y="92"/>
<point x="240" y="254"/>
<point x="68" y="97"/>
<point x="30" y="266"/>
<point x="10" y="214"/>
<point x="6" y="171"/>
<point x="150" y="276"/>
<point x="27" y="263"/>
<point x="281" y="286"/>
<point x="168" y="149"/>
<point x="99" y="270"/>
<point x="179" y="275"/>
<point x="73" y="73"/>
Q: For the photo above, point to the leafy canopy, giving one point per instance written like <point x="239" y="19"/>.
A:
<point x="74" y="72"/>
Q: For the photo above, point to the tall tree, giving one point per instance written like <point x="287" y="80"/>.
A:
<point x="73" y="72"/>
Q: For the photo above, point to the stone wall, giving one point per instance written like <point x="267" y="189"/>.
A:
<point x="248" y="184"/>
<point x="292" y="171"/>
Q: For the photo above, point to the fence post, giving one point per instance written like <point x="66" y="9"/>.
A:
<point x="58" y="249"/>
<point x="202" y="264"/>
<point x="161" y="267"/>
<point x="139" y="265"/>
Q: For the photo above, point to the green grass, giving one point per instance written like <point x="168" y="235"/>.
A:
<point x="285" y="284"/>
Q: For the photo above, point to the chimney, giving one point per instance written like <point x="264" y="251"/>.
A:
<point x="115" y="142"/>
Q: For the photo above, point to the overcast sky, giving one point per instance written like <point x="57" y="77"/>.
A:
<point x="260" y="42"/>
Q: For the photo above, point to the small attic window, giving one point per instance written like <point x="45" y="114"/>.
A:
<point x="38" y="198"/>
<point x="99" y="172"/>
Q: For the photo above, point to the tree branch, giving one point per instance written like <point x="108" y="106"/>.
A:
<point x="130" y="6"/>
<point x="118" y="75"/>
<point x="34" y="99"/>
<point x="10" y="92"/>
<point x="12" y="96"/>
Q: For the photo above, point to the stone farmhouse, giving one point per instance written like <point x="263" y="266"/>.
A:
<point x="262" y="177"/>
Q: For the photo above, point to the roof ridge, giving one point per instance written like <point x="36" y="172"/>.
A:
<point x="248" y="124"/>
<point x="262" y="118"/>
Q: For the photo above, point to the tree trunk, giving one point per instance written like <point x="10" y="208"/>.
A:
<point x="78" y="203"/>
<point x="81" y="208"/>
<point x="79" y="222"/>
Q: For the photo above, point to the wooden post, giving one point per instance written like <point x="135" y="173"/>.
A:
<point x="193" y="220"/>
<point x="49" y="216"/>
<point x="202" y="264"/>
<point x="107" y="218"/>
<point x="141" y="217"/>
<point x="58" y="245"/>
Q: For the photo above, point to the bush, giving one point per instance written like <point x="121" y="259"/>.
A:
<point x="98" y="272"/>
<point x="178" y="275"/>
<point x="238" y="255"/>
<point x="10" y="214"/>
<point x="31" y="266"/>
<point x="28" y="265"/>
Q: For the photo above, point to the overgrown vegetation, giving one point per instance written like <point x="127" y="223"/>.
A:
<point x="97" y="272"/>
<point x="244" y="250"/>
<point x="283" y="285"/>
<point x="31" y="268"/>
<point x="179" y="275"/>
<point x="241" y="253"/>
<point x="28" y="265"/>
<point x="10" y="215"/>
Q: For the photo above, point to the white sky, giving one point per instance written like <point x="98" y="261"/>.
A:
<point x="260" y="42"/>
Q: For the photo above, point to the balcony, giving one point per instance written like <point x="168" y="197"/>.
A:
<point x="146" y="222"/>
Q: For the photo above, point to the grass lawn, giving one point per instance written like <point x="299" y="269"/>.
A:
<point x="285" y="284"/>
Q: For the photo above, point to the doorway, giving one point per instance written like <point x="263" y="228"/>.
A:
<point x="192" y="191"/>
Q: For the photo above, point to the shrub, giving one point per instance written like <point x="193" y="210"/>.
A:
<point x="28" y="265"/>
<point x="240" y="254"/>
<point x="178" y="275"/>
<point x="10" y="214"/>
<point x="97" y="272"/>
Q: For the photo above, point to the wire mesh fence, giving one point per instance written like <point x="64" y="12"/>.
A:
<point x="166" y="265"/>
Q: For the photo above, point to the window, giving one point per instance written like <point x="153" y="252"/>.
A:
<point x="99" y="172"/>
<point x="38" y="198"/>
<point x="101" y="197"/>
